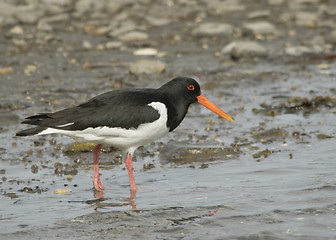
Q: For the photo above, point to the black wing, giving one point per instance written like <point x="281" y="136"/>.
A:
<point x="121" y="108"/>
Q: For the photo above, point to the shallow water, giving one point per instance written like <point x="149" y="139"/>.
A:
<point x="288" y="194"/>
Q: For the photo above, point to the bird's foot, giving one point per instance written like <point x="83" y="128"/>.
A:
<point x="98" y="185"/>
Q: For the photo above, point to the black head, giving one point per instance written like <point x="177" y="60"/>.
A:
<point x="184" y="89"/>
<point x="178" y="94"/>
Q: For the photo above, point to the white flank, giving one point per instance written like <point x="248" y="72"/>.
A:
<point x="124" y="139"/>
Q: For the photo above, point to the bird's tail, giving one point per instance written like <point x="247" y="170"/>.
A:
<point x="30" y="131"/>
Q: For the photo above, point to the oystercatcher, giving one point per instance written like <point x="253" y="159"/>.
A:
<point x="124" y="118"/>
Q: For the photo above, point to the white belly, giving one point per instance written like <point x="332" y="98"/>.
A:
<point x="124" y="139"/>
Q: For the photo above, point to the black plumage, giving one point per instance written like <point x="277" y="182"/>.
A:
<point x="123" y="108"/>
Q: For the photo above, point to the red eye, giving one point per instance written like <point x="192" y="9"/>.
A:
<point x="191" y="87"/>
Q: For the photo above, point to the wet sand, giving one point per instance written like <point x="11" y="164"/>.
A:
<point x="269" y="175"/>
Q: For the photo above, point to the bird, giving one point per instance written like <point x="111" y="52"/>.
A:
<point x="125" y="118"/>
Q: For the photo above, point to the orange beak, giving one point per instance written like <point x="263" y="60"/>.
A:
<point x="209" y="105"/>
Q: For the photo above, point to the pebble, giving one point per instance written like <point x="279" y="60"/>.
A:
<point x="30" y="69"/>
<point x="28" y="15"/>
<point x="6" y="13"/>
<point x="157" y="22"/>
<point x="113" y="44"/>
<point x="125" y="27"/>
<point x="261" y="27"/>
<point x="144" y="66"/>
<point x="259" y="14"/>
<point x="239" y="49"/>
<point x="87" y="45"/>
<point x="306" y="19"/>
<point x="34" y="168"/>
<point x="62" y="191"/>
<point x="133" y="36"/>
<point x="225" y="6"/>
<point x="297" y="50"/>
<point x="210" y="29"/>
<point x="17" y="30"/>
<point x="44" y="23"/>
<point x="6" y="70"/>
<point x="146" y="52"/>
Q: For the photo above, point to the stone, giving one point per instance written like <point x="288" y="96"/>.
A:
<point x="225" y="6"/>
<point x="245" y="49"/>
<point x="6" y="14"/>
<point x="213" y="28"/>
<point x="146" y="52"/>
<point x="6" y="70"/>
<point x="297" y="50"/>
<point x="261" y="27"/>
<point x="87" y="45"/>
<point x="331" y="37"/>
<point x="28" y="15"/>
<point x="259" y="14"/>
<point x="157" y="22"/>
<point x="123" y="28"/>
<point x="17" y="30"/>
<point x="306" y="19"/>
<point x="30" y="69"/>
<point x="144" y="66"/>
<point x="113" y="44"/>
<point x="133" y="36"/>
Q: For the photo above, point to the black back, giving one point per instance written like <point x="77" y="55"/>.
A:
<point x="124" y="108"/>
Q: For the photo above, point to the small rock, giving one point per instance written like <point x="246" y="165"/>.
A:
<point x="6" y="70"/>
<point x="297" y="50"/>
<point x="125" y="27"/>
<point x="44" y="23"/>
<point x="44" y="26"/>
<point x="260" y="27"/>
<point x="259" y="14"/>
<point x="100" y="47"/>
<point x="157" y="22"/>
<point x="113" y="44"/>
<point x="133" y="36"/>
<point x="6" y="13"/>
<point x="146" y="52"/>
<point x="34" y="168"/>
<point x="239" y="49"/>
<point x="30" y="69"/>
<point x="62" y="191"/>
<point x="210" y="29"/>
<point x="225" y="6"/>
<point x="28" y="16"/>
<point x="17" y="30"/>
<point x="19" y="42"/>
<point x="331" y="37"/>
<point x="306" y="19"/>
<point x="148" y="166"/>
<point x="144" y="66"/>
<point x="87" y="45"/>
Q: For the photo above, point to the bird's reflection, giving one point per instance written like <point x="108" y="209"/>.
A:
<point x="130" y="200"/>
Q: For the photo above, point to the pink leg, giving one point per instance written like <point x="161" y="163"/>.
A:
<point x="96" y="179"/>
<point x="129" y="166"/>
